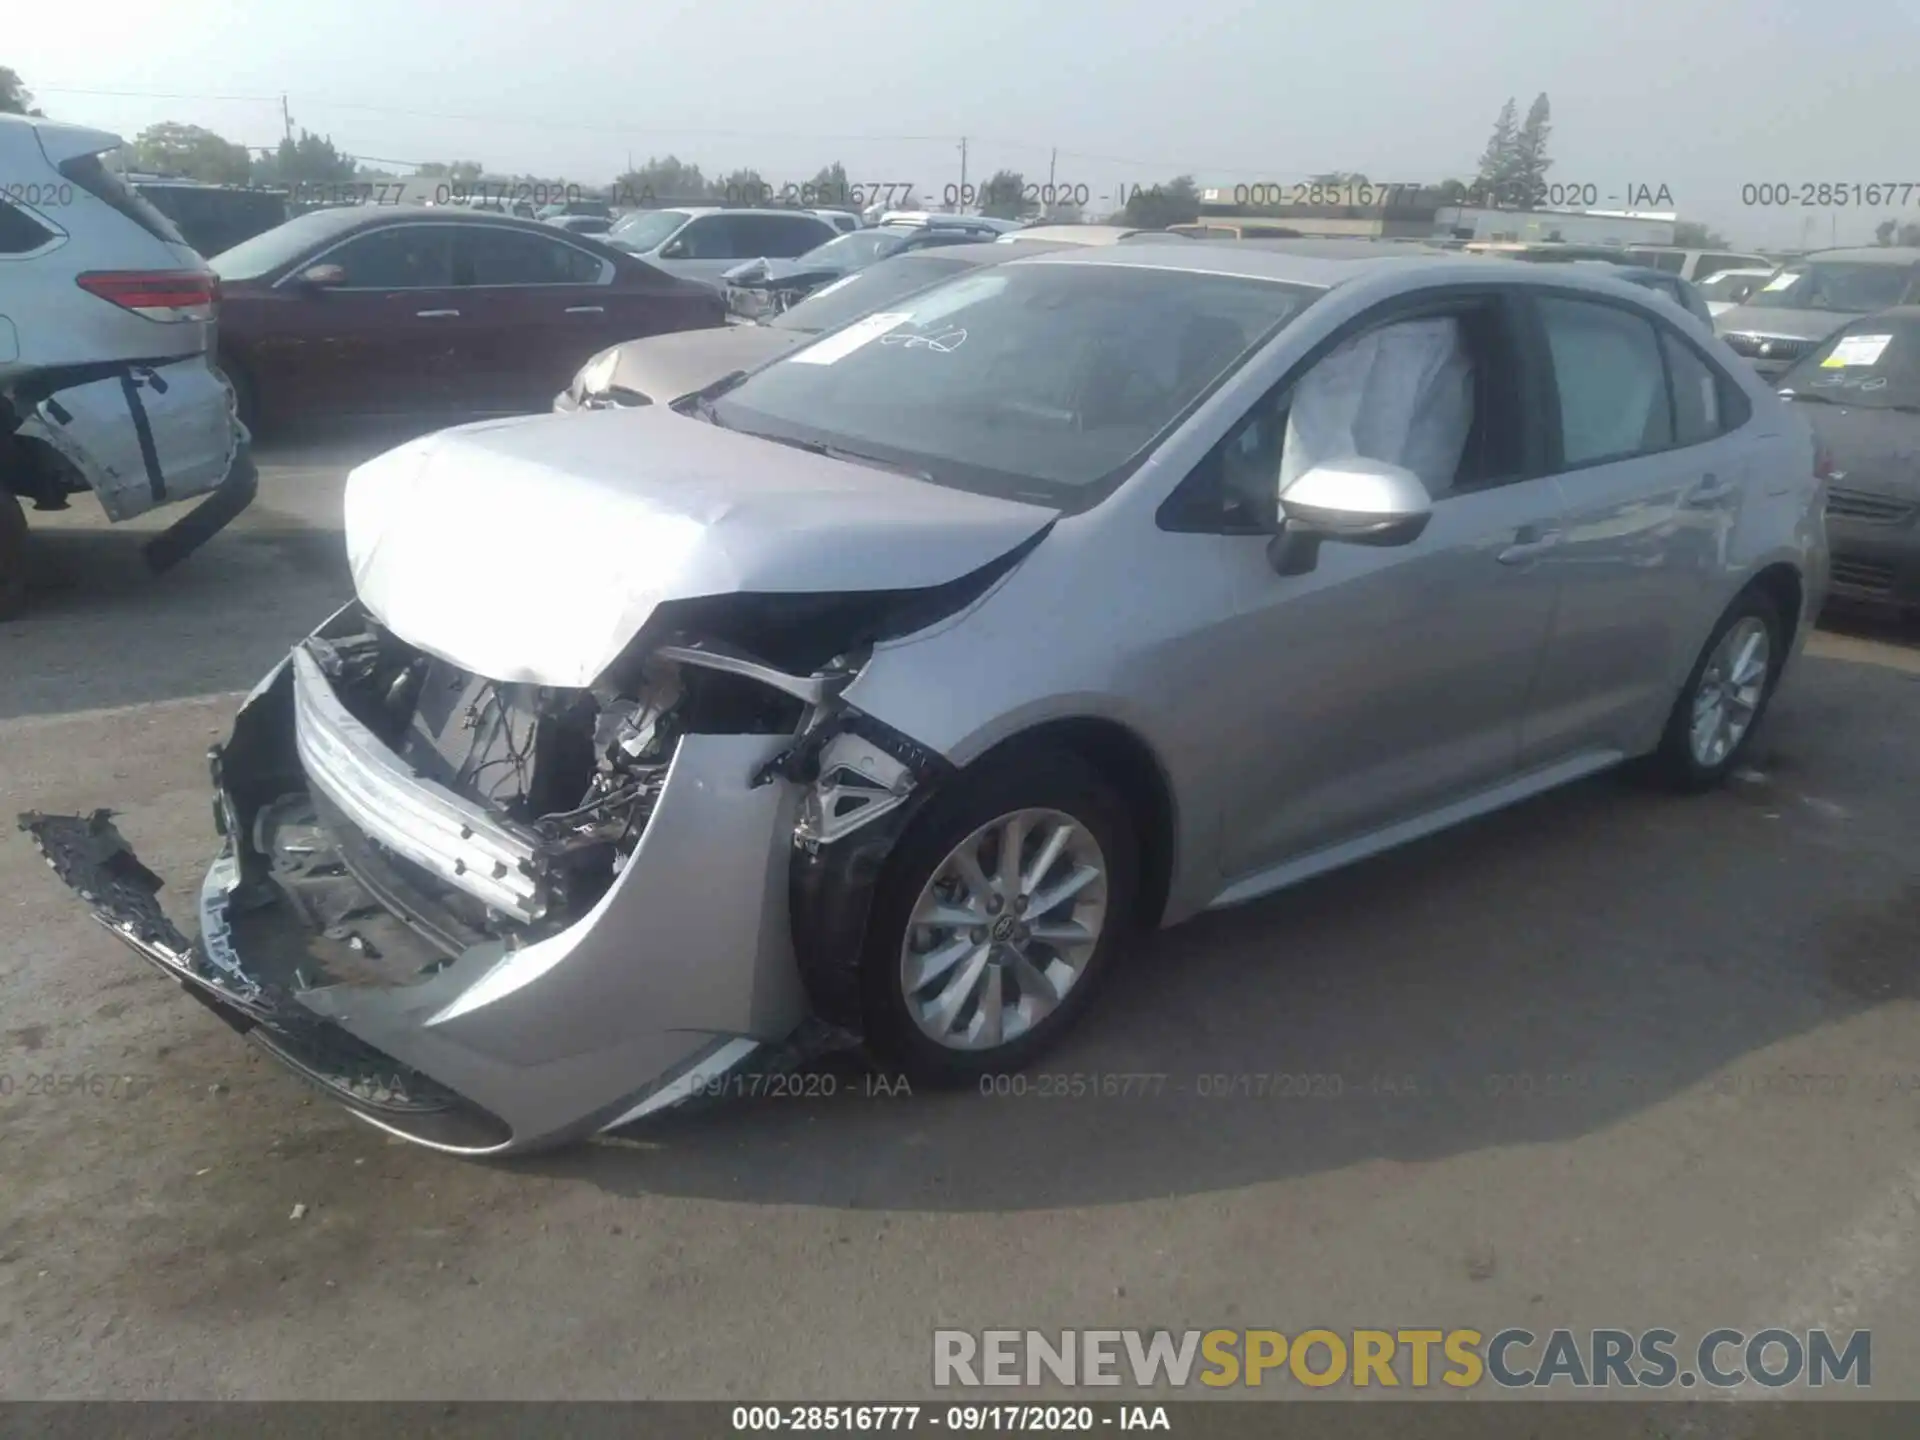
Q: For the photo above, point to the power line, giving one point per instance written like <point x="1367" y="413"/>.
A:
<point x="534" y="123"/>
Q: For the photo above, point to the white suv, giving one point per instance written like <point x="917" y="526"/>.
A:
<point x="106" y="343"/>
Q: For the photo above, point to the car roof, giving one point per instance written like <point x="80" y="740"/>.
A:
<point x="1330" y="247"/>
<point x="1325" y="272"/>
<point x="337" y="220"/>
<point x="691" y="210"/>
<point x="1865" y="254"/>
<point x="56" y="139"/>
<point x="1083" y="234"/>
<point x="981" y="252"/>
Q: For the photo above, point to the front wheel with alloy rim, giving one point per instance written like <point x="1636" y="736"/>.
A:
<point x="1725" y="695"/>
<point x="997" y="916"/>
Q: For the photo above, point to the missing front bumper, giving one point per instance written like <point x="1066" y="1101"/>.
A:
<point x="679" y="973"/>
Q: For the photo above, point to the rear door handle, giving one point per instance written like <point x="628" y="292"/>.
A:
<point x="1530" y="542"/>
<point x="1709" y="492"/>
<point x="586" y="310"/>
<point x="437" y="314"/>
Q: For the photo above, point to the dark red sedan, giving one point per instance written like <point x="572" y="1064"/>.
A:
<point x="386" y="310"/>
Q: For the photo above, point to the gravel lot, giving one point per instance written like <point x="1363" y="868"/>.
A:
<point x="1564" y="1039"/>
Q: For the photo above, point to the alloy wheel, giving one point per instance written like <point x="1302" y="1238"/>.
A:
<point x="1003" y="929"/>
<point x="1731" y="688"/>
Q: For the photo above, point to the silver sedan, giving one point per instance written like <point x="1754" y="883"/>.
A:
<point x="895" y="684"/>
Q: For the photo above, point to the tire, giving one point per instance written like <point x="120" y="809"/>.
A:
<point x="1035" y="780"/>
<point x="1682" y="764"/>
<point x="13" y="555"/>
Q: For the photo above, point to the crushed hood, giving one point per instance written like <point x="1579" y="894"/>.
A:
<point x="534" y="549"/>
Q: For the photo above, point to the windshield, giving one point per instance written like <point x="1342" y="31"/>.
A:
<point x="865" y="291"/>
<point x="645" y="229"/>
<point x="862" y="247"/>
<point x="1033" y="381"/>
<point x="1851" y="286"/>
<point x="1872" y="364"/>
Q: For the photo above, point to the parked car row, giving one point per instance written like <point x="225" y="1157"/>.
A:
<point x="847" y="668"/>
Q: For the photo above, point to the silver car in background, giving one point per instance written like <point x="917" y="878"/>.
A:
<point x="703" y="242"/>
<point x="896" y="684"/>
<point x="1803" y="302"/>
<point x="658" y="369"/>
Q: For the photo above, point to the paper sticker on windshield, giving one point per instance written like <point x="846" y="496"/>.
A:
<point x="1856" y="350"/>
<point x="1785" y="279"/>
<point x="843" y="343"/>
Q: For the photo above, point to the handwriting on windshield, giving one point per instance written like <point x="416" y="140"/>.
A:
<point x="944" y="343"/>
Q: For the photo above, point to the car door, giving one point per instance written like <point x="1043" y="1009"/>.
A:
<point x="382" y="339"/>
<point x="1648" y="509"/>
<point x="534" y="308"/>
<point x="1386" y="683"/>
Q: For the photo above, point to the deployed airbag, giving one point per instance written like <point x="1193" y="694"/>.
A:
<point x="1402" y="394"/>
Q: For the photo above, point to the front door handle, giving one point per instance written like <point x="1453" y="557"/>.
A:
<point x="437" y="314"/>
<point x="1530" y="542"/>
<point x="1708" y="493"/>
<point x="586" y="310"/>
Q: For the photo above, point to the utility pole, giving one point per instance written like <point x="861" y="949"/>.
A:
<point x="1053" y="158"/>
<point x="963" y="170"/>
<point x="286" y="117"/>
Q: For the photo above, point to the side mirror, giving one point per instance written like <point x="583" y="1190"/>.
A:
<point x="1347" y="502"/>
<point x="322" y="277"/>
<point x="674" y="250"/>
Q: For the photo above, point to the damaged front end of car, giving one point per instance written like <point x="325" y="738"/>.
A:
<point x="492" y="917"/>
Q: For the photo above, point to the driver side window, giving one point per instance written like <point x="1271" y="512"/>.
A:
<point x="1436" y="391"/>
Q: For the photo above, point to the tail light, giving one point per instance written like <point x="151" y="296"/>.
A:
<point x="1823" y="464"/>
<point x="156" y="294"/>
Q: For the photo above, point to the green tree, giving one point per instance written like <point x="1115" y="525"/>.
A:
<point x="1154" y="207"/>
<point x="464" y="172"/>
<point x="191" y="151"/>
<point x="665" y="181"/>
<point x="742" y="187"/>
<point x="830" y="186"/>
<point x="15" y="98"/>
<point x="310" y="160"/>
<point x="1452" y="192"/>
<point x="1692" y="235"/>
<point x="1004" y="195"/>
<point x="1494" y="180"/>
<point x="1884" y="232"/>
<point x="1530" y="162"/>
<point x="1910" y="234"/>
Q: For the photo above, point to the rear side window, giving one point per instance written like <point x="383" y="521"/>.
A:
<point x="20" y="233"/>
<point x="90" y="175"/>
<point x="708" y="237"/>
<point x="400" y="257"/>
<point x="1696" y="393"/>
<point x="489" y="255"/>
<point x="1611" y="381"/>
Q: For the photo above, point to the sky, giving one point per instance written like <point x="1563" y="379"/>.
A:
<point x="1701" y="96"/>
